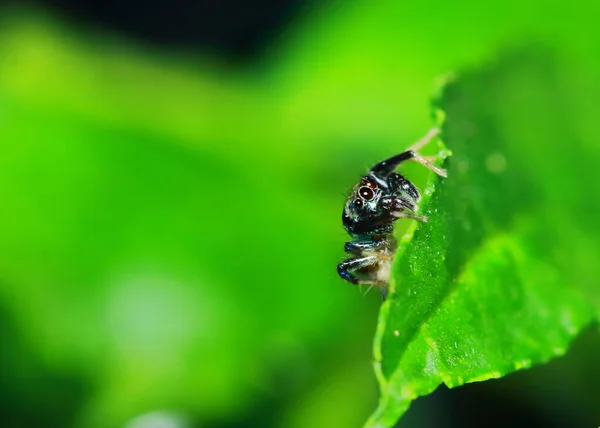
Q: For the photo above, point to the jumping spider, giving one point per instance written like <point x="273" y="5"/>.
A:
<point x="376" y="202"/>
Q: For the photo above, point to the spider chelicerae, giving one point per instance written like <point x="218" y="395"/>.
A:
<point x="375" y="203"/>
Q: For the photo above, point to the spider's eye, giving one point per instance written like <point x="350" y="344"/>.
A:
<point x="358" y="203"/>
<point x="366" y="181"/>
<point x="366" y="193"/>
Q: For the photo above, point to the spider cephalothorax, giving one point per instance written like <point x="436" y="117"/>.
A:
<point x="376" y="202"/>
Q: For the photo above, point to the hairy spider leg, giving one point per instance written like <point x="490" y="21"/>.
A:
<point x="346" y="267"/>
<point x="422" y="142"/>
<point x="398" y="183"/>
<point x="386" y="167"/>
<point x="406" y="197"/>
<point x="404" y="214"/>
<point x="357" y="247"/>
<point x="383" y="290"/>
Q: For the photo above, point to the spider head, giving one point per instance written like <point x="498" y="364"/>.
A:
<point x="367" y="210"/>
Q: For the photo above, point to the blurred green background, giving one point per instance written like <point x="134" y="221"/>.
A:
<point x="172" y="177"/>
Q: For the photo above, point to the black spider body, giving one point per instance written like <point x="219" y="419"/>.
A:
<point x="375" y="203"/>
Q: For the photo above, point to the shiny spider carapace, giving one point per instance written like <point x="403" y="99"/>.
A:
<point x="376" y="202"/>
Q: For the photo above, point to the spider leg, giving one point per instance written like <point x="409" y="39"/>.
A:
<point x="404" y="214"/>
<point x="423" y="161"/>
<point x="357" y="247"/>
<point x="346" y="268"/>
<point x="399" y="184"/>
<point x="383" y="289"/>
<point x="386" y="167"/>
<point x="419" y="144"/>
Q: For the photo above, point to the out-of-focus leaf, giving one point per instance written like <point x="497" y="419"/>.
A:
<point x="154" y="237"/>
<point x="490" y="284"/>
<point x="171" y="224"/>
<point x="370" y="64"/>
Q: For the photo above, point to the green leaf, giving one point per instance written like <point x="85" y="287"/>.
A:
<point x="490" y="284"/>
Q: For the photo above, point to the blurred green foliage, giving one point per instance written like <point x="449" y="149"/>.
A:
<point x="171" y="225"/>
